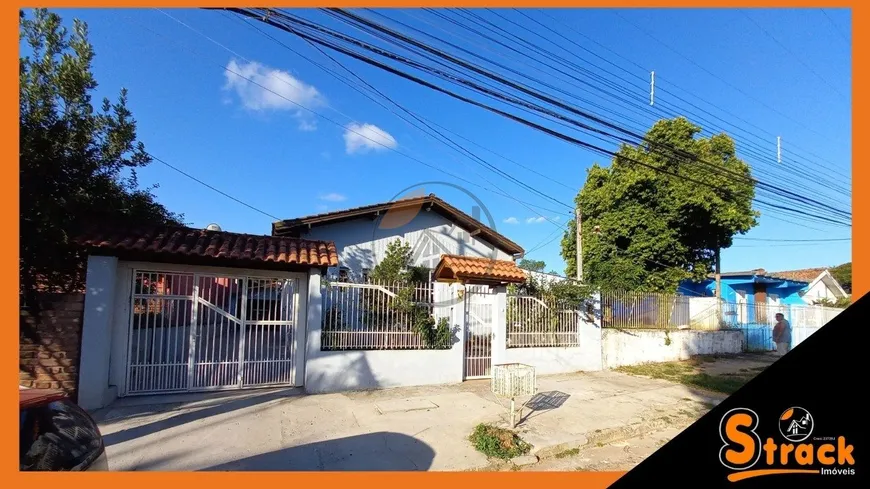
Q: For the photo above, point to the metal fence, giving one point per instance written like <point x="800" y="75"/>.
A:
<point x="371" y="316"/>
<point x="533" y="321"/>
<point x="636" y="310"/>
<point x="757" y="321"/>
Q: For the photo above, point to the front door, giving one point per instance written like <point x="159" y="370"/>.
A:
<point x="479" y="318"/>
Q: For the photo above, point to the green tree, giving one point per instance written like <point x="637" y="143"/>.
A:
<point x="395" y="265"/>
<point x="646" y="230"/>
<point x="843" y="274"/>
<point x="533" y="265"/>
<point x="77" y="162"/>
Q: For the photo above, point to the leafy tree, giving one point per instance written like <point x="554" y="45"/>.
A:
<point x="77" y="162"/>
<point x="533" y="265"/>
<point x="646" y="230"/>
<point x="843" y="274"/>
<point x="395" y="265"/>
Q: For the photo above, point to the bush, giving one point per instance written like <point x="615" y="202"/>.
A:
<point x="497" y="442"/>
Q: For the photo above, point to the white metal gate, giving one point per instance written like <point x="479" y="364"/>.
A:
<point x="479" y="317"/>
<point x="192" y="331"/>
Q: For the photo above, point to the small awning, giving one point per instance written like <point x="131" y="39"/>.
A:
<point x="484" y="271"/>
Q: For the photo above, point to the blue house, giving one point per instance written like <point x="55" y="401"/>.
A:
<point x="751" y="301"/>
<point x="749" y="287"/>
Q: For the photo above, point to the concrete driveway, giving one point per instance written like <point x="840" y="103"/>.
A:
<point x="422" y="428"/>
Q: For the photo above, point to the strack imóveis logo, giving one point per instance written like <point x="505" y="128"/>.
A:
<point x="748" y="455"/>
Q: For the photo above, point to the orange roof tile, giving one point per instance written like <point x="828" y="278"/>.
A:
<point x="803" y="275"/>
<point x="216" y="245"/>
<point x="478" y="270"/>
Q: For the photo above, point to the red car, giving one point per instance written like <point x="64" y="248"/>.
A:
<point x="57" y="435"/>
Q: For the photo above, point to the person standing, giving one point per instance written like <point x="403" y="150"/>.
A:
<point x="782" y="334"/>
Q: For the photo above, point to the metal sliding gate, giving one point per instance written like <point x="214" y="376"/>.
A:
<point x="192" y="331"/>
<point x="479" y="317"/>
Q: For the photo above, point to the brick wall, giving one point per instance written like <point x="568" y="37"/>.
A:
<point x="49" y="342"/>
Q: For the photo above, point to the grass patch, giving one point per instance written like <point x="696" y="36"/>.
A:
<point x="687" y="374"/>
<point x="568" y="453"/>
<point x="498" y="442"/>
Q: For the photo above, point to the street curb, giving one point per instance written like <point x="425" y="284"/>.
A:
<point x="613" y="435"/>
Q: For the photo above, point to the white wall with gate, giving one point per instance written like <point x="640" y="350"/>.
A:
<point x="162" y="328"/>
<point x="477" y="316"/>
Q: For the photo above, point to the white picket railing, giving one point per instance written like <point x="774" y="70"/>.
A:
<point x="365" y="316"/>
<point x="532" y="322"/>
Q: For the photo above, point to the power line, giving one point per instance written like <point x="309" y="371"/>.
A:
<point x="423" y="120"/>
<point x="795" y="240"/>
<point x="837" y="28"/>
<point x="197" y="180"/>
<point x="562" y="105"/>
<point x="347" y="128"/>
<point x="789" y="51"/>
<point x="399" y="58"/>
<point x="705" y="70"/>
<point x="658" y="109"/>
<point x="670" y="83"/>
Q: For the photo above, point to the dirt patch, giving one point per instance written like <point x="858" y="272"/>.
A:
<point x="723" y="374"/>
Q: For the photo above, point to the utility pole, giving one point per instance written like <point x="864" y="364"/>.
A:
<point x="578" y="218"/>
<point x="718" y="275"/>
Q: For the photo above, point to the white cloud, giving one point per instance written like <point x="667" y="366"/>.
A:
<point x="261" y="88"/>
<point x="536" y="220"/>
<point x="307" y="125"/>
<point x="332" y="197"/>
<point x="557" y="218"/>
<point x="511" y="220"/>
<point x="361" y="138"/>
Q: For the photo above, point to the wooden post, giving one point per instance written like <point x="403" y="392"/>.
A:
<point x="578" y="218"/>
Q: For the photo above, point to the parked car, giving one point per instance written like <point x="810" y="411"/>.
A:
<point x="57" y="435"/>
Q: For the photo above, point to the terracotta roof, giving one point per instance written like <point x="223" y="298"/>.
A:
<point x="478" y="270"/>
<point x="240" y="249"/>
<point x="803" y="275"/>
<point x="295" y="226"/>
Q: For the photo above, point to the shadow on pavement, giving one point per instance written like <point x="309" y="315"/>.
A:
<point x="190" y="416"/>
<point x="544" y="401"/>
<point x="382" y="451"/>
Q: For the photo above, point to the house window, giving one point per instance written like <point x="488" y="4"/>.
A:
<point x="365" y="275"/>
<point x="343" y="274"/>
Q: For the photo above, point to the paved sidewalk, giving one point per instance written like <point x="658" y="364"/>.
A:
<point x="423" y="428"/>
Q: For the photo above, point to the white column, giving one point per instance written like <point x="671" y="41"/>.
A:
<point x="96" y="347"/>
<point x="448" y="305"/>
<point x="458" y="314"/>
<point x="591" y="344"/>
<point x="314" y="323"/>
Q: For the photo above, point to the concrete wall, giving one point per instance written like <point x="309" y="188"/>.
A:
<point x="556" y="360"/>
<point x="362" y="243"/>
<point x="627" y="347"/>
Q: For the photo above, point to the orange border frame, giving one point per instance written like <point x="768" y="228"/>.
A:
<point x="506" y="480"/>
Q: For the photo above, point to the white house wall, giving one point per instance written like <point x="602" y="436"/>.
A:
<point x="819" y="291"/>
<point x="361" y="243"/>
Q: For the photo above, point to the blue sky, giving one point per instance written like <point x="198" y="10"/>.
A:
<point x="791" y="79"/>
